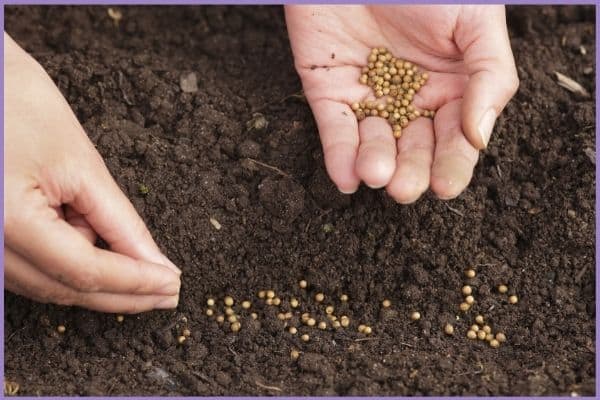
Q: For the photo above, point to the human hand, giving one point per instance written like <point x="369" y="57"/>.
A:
<point x="472" y="75"/>
<point x="58" y="196"/>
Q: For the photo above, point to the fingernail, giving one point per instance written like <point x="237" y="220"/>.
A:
<point x="167" y="303"/>
<point x="171" y="288"/>
<point x="486" y="125"/>
<point x="352" y="191"/>
<point x="170" y="264"/>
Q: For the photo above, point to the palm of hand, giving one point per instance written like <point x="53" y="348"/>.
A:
<point x="330" y="46"/>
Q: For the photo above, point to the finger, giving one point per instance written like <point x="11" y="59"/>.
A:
<point x="454" y="157"/>
<point x="78" y="221"/>
<point x="339" y="137"/>
<point x="64" y="254"/>
<point x="22" y="278"/>
<point x="440" y="88"/>
<point x="492" y="73"/>
<point x="413" y="163"/>
<point x="113" y="217"/>
<point x="376" y="159"/>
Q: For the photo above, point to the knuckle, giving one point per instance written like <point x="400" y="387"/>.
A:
<point x="85" y="281"/>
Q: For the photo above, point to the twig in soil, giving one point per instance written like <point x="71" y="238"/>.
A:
<point x="277" y="389"/>
<point x="262" y="164"/>
<point x="365" y="339"/>
<point x="580" y="274"/>
<point x="455" y="211"/>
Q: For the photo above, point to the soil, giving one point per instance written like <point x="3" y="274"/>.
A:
<point x="527" y="220"/>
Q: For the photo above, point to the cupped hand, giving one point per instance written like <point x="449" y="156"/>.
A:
<point x="472" y="75"/>
<point x="58" y="197"/>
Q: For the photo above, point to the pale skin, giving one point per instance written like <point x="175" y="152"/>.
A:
<point x="59" y="196"/>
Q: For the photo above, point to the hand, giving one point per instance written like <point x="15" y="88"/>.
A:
<point x="58" y="196"/>
<point x="472" y="74"/>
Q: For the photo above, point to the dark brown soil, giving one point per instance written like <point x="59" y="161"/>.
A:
<point x="528" y="215"/>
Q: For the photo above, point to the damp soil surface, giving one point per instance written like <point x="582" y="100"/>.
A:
<point x="527" y="220"/>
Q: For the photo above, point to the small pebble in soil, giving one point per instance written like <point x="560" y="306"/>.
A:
<point x="228" y="301"/>
<point x="61" y="329"/>
<point x="386" y="303"/>
<point x="120" y="318"/>
<point x="470" y="273"/>
<point x="305" y="338"/>
<point x="513" y="299"/>
<point x="502" y="289"/>
<point x="472" y="335"/>
<point x="415" y="315"/>
<point x="344" y="298"/>
<point x="246" y="304"/>
<point x="210" y="302"/>
<point x="303" y="284"/>
<point x="258" y="122"/>
<point x="143" y="189"/>
<point x="479" y="319"/>
<point x="188" y="83"/>
<point x="295" y="354"/>
<point x="467" y="290"/>
<point x="449" y="329"/>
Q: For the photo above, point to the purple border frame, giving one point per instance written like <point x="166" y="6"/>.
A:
<point x="274" y="2"/>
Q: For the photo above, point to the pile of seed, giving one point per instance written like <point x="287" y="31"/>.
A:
<point x="395" y="82"/>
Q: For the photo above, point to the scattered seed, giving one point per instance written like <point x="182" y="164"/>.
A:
<point x="319" y="297"/>
<point x="464" y="306"/>
<point x="246" y="304"/>
<point x="209" y="312"/>
<point x="311" y="322"/>
<point x="231" y="319"/>
<point x="294" y="302"/>
<point x="294" y="354"/>
<point x="368" y="330"/>
<point x="61" y="329"/>
<point x="513" y="299"/>
<point x="481" y="335"/>
<point x="262" y="294"/>
<point x="415" y="315"/>
<point x="494" y="343"/>
<point x="281" y="316"/>
<point x="361" y="328"/>
<point x="305" y="338"/>
<point x="181" y="339"/>
<point x="486" y="329"/>
<point x="269" y="302"/>
<point x="472" y="334"/>
<point x="228" y="301"/>
<point x="329" y="310"/>
<point x="293" y="330"/>
<point x="254" y="315"/>
<point x="502" y="289"/>
<point x="288" y="315"/>
<point x="236" y="326"/>
<point x="322" y="325"/>
<point x="270" y="294"/>
<point x="489" y="337"/>
<point x="469" y="300"/>
<point x="449" y="329"/>
<point x="276" y="301"/>
<point x="210" y="302"/>
<point x="344" y="321"/>
<point x="500" y="337"/>
<point x="336" y="324"/>
<point x="475" y="328"/>
<point x="386" y="303"/>
<point x="220" y="319"/>
<point x="120" y="318"/>
<point x="229" y="311"/>
<point x="479" y="319"/>
<point x="470" y="273"/>
<point x="344" y="298"/>
<point x="303" y="284"/>
<point x="305" y="317"/>
<point x="467" y="290"/>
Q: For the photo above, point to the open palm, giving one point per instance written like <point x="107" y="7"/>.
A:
<point x="472" y="76"/>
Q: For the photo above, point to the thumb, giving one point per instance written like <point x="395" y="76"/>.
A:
<point x="482" y="36"/>
<point x="110" y="213"/>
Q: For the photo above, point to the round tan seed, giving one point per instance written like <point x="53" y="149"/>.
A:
<point x="368" y="330"/>
<point x="120" y="318"/>
<point x="501" y="337"/>
<point x="467" y="290"/>
<point x="220" y="319"/>
<point x="181" y="339"/>
<point x="229" y="311"/>
<point x="236" y="326"/>
<point x="386" y="303"/>
<point x="502" y="289"/>
<point x="294" y="302"/>
<point x="294" y="354"/>
<point x="311" y="322"/>
<point x="464" y="306"/>
<point x="470" y="273"/>
<point x="293" y="330"/>
<point x="472" y="334"/>
<point x="270" y="294"/>
<point x="481" y="335"/>
<point x="228" y="301"/>
<point x="262" y="294"/>
<point x="469" y="300"/>
<point x="487" y="329"/>
<point x="246" y="304"/>
<point x="319" y="297"/>
<point x="449" y="329"/>
<point x="210" y="302"/>
<point x="231" y="319"/>
<point x="61" y="329"/>
<point x="415" y="315"/>
<point x="344" y="298"/>
<point x="344" y="321"/>
<point x="494" y="343"/>
<point x="322" y="325"/>
<point x="254" y="315"/>
<point x="479" y="319"/>
<point x="513" y="299"/>
<point x="209" y="312"/>
<point x="305" y="338"/>
<point x="475" y="328"/>
<point x="329" y="309"/>
<point x="276" y="301"/>
<point x="186" y="332"/>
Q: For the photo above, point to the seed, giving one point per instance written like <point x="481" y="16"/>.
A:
<point x="209" y="312"/>
<point x="293" y="330"/>
<point x="270" y="294"/>
<point x="379" y="93"/>
<point x="319" y="297"/>
<point x="502" y="289"/>
<point x="384" y="114"/>
<point x="486" y="329"/>
<point x="481" y="335"/>
<point x="363" y="79"/>
<point x="281" y="316"/>
<point x="305" y="338"/>
<point x="513" y="299"/>
<point x="336" y="324"/>
<point x="61" y="329"/>
<point x="262" y="294"/>
<point x="386" y="303"/>
<point x="311" y="322"/>
<point x="470" y="273"/>
<point x="474" y="328"/>
<point x="372" y="57"/>
<point x="494" y="343"/>
<point x="236" y="326"/>
<point x="181" y="339"/>
<point x="322" y="325"/>
<point x="469" y="300"/>
<point x="344" y="321"/>
<point x="415" y="315"/>
<point x="466" y="290"/>
<point x="329" y="310"/>
<point x="472" y="334"/>
<point x="489" y="337"/>
<point x="374" y="113"/>
<point x="254" y="315"/>
<point x="246" y="304"/>
<point x="221" y="319"/>
<point x="479" y="319"/>
<point x="305" y="317"/>
<point x="288" y="315"/>
<point x="449" y="329"/>
<point x="425" y="75"/>
<point x="367" y="330"/>
<point x="276" y="301"/>
<point x="500" y="337"/>
<point x="120" y="318"/>
<point x="294" y="302"/>
<point x="294" y="354"/>
<point x="269" y="302"/>
<point x="228" y="301"/>
<point x="228" y="311"/>
<point x="232" y="319"/>
<point x="398" y="134"/>
<point x="464" y="306"/>
<point x="361" y="328"/>
<point x="210" y="302"/>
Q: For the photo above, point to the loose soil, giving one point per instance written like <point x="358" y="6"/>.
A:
<point x="528" y="216"/>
